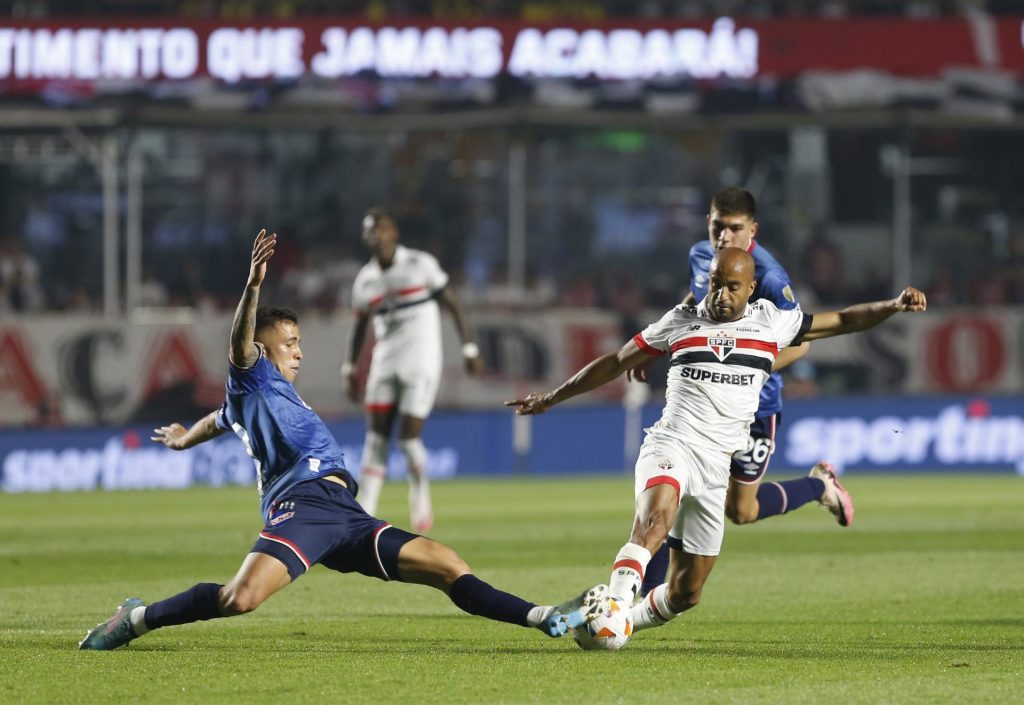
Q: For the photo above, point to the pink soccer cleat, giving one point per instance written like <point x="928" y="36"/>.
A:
<point x="835" y="499"/>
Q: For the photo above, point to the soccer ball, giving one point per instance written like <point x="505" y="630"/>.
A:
<point x="608" y="627"/>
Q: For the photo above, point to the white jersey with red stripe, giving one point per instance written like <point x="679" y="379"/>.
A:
<point x="717" y="369"/>
<point x="402" y="300"/>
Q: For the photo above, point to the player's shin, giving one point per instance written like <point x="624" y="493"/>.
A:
<point x="196" y="604"/>
<point x="781" y="497"/>
<point x="628" y="571"/>
<point x="374" y="470"/>
<point x="654" y="610"/>
<point x="473" y="595"/>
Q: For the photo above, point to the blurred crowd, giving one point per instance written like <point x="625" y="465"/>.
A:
<point x="531" y="10"/>
<point x="609" y="215"/>
<point x="318" y="276"/>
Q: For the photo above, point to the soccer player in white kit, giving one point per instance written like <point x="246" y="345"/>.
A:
<point x="722" y="353"/>
<point x="400" y="289"/>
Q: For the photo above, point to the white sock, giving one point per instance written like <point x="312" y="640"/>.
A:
<point x="653" y="610"/>
<point x="374" y="470"/>
<point x="420" y="510"/>
<point x="138" y="619"/>
<point x="370" y="485"/>
<point x="628" y="571"/>
<point x="537" y="614"/>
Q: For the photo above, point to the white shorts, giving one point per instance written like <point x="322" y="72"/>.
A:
<point x="413" y="392"/>
<point x="701" y="479"/>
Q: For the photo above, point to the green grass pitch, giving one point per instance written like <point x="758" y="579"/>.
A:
<point x="921" y="601"/>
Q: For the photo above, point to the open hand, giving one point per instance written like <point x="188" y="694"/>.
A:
<point x="262" y="250"/>
<point x="169" y="436"/>
<point x="911" y="299"/>
<point x="534" y="403"/>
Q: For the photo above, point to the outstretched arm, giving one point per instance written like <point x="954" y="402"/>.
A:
<point x="243" y="350"/>
<point x="863" y="316"/>
<point x="177" y="437"/>
<point x="355" y="346"/>
<point x="470" y="351"/>
<point x="598" y="372"/>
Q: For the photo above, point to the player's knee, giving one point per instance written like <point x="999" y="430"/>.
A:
<point x="375" y="450"/>
<point x="741" y="514"/>
<point x="415" y="454"/>
<point x="239" y="599"/>
<point x="686" y="601"/>
<point x="445" y="565"/>
<point x="453" y="567"/>
<point x="682" y="597"/>
<point x="652" y="528"/>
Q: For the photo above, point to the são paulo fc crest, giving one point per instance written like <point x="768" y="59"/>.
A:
<point x="721" y="346"/>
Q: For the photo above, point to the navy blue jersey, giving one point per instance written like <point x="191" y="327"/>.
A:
<point x="773" y="284"/>
<point x="285" y="438"/>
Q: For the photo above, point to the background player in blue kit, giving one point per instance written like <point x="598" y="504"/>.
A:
<point x="732" y="222"/>
<point x="307" y="497"/>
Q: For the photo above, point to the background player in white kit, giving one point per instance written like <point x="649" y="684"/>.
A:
<point x="400" y="289"/>
<point x="722" y="354"/>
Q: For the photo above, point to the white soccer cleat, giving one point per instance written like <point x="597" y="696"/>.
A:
<point x="422" y="521"/>
<point x="835" y="499"/>
<point x="594" y="598"/>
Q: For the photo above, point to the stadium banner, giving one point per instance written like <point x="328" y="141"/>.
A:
<point x="899" y="434"/>
<point x="106" y="53"/>
<point x="87" y="371"/>
<point x="73" y="370"/>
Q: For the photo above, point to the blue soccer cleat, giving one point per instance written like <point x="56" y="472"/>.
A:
<point x="115" y="632"/>
<point x="571" y="613"/>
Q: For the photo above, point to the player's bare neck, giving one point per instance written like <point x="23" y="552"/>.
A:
<point x="731" y="319"/>
<point x="386" y="258"/>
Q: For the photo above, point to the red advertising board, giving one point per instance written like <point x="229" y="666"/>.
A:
<point x="140" y="50"/>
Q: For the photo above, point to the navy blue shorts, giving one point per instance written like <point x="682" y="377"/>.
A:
<point x="750" y="464"/>
<point x="319" y="521"/>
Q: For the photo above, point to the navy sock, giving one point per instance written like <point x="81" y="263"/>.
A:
<point x="657" y="568"/>
<point x="473" y="595"/>
<point x="196" y="604"/>
<point x="781" y="497"/>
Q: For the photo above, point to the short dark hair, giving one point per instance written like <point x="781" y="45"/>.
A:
<point x="267" y="316"/>
<point x="378" y="213"/>
<point x="734" y="201"/>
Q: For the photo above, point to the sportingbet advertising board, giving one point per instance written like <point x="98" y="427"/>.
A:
<point x="905" y="434"/>
<point x="871" y="434"/>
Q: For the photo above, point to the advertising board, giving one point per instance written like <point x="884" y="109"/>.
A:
<point x="890" y="435"/>
<point x="106" y="52"/>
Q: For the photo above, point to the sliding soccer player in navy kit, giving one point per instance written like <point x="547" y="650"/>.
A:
<point x="732" y="222"/>
<point x="308" y="498"/>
